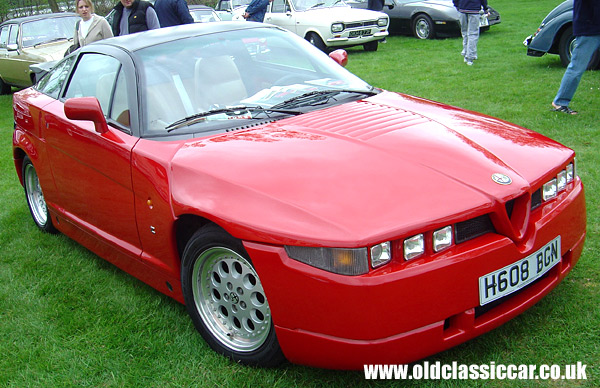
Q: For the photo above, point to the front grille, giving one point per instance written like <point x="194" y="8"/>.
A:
<point x="472" y="228"/>
<point x="536" y="199"/>
<point x="368" y="23"/>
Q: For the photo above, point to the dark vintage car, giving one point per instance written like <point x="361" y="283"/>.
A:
<point x="298" y="212"/>
<point x="29" y="40"/>
<point x="555" y="36"/>
<point x="426" y="19"/>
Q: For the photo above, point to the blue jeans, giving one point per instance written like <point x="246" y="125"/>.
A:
<point x="469" y="29"/>
<point x="585" y="47"/>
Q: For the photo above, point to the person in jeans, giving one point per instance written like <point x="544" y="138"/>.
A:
<point x="470" y="15"/>
<point x="586" y="28"/>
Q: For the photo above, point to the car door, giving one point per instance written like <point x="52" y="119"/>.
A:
<point x="92" y="170"/>
<point x="280" y="13"/>
<point x="13" y="69"/>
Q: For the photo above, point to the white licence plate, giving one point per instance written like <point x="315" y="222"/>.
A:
<point x="515" y="276"/>
<point x="357" y="33"/>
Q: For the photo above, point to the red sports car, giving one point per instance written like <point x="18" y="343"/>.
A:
<point x="298" y="212"/>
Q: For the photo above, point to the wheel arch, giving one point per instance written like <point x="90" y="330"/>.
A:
<point x="554" y="48"/>
<point x="18" y="157"/>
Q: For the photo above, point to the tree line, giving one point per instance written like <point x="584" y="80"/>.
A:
<point x="10" y="9"/>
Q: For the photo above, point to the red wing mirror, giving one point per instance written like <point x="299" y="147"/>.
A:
<point x="86" y="108"/>
<point x="340" y="56"/>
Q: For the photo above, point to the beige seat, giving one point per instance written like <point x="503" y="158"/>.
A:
<point x="218" y="82"/>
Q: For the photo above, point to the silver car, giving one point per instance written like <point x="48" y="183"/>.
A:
<point x="426" y="19"/>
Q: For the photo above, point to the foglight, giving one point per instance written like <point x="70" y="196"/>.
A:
<point x="343" y="261"/>
<point x="549" y="190"/>
<point x="442" y="238"/>
<point x="414" y="247"/>
<point x="381" y="254"/>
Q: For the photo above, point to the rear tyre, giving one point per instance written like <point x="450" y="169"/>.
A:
<point x="316" y="41"/>
<point x="371" y="46"/>
<point x="566" y="46"/>
<point x="423" y="27"/>
<point x="35" y="198"/>
<point x="225" y="299"/>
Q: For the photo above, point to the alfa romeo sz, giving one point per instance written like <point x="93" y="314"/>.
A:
<point x="298" y="212"/>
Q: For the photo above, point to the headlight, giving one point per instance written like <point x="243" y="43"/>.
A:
<point x="382" y="22"/>
<point x="414" y="247"/>
<point x="381" y="254"/>
<point x="342" y="261"/>
<point x="570" y="172"/>
<point x="337" y="27"/>
<point x="442" y="238"/>
<point x="549" y="190"/>
<point x="561" y="180"/>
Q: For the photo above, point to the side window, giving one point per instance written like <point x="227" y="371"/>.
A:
<point x="224" y="5"/>
<point x="52" y="82"/>
<point x="94" y="76"/>
<point x="4" y="36"/>
<point x="12" y="37"/>
<point x="119" y="110"/>
<point x="278" y="6"/>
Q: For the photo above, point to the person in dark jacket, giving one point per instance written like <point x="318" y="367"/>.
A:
<point x="133" y="16"/>
<point x="586" y="28"/>
<point x="173" y="12"/>
<point x="375" y="5"/>
<point x="470" y="15"/>
<point x="256" y="10"/>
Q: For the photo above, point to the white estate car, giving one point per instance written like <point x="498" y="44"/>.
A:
<point x="329" y="24"/>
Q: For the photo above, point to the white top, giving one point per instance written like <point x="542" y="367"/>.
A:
<point x="84" y="26"/>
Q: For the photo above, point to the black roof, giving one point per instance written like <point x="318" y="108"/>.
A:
<point x="133" y="42"/>
<point x="38" y="17"/>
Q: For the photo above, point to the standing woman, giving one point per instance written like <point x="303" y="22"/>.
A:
<point x="91" y="27"/>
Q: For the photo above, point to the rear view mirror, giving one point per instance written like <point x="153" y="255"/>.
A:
<point x="86" y="108"/>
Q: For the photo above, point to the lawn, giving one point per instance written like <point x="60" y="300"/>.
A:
<point x="70" y="319"/>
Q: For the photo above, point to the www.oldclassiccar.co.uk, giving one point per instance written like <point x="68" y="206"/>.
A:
<point x="491" y="371"/>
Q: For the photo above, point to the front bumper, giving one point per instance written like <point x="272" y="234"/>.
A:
<point x="392" y="315"/>
<point x="345" y="41"/>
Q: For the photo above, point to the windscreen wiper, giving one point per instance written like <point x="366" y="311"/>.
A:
<point x="50" y="41"/>
<point x="318" y="97"/>
<point x="235" y="111"/>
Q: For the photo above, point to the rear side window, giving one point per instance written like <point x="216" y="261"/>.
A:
<point x="51" y="83"/>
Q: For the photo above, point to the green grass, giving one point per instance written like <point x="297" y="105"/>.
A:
<point x="68" y="318"/>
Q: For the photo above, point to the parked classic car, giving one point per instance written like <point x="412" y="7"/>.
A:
<point x="328" y="24"/>
<point x="297" y="211"/>
<point x="29" y="40"/>
<point x="203" y="14"/>
<point x="555" y="36"/>
<point x="231" y="9"/>
<point x="426" y="19"/>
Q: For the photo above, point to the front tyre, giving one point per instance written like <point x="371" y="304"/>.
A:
<point x="423" y="27"/>
<point x="225" y="299"/>
<point x="316" y="41"/>
<point x="371" y="46"/>
<point x="566" y="45"/>
<point x="35" y="198"/>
